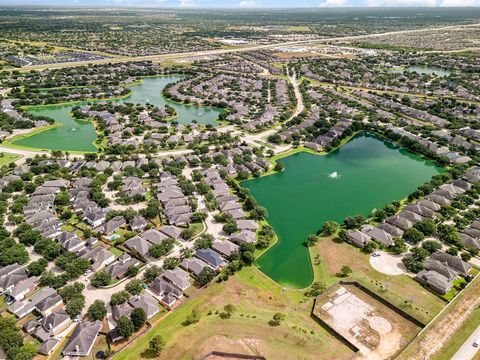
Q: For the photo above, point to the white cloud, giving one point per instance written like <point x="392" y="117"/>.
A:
<point x="246" y="3"/>
<point x="334" y="3"/>
<point x="459" y="3"/>
<point x="186" y="3"/>
<point x="399" y="3"/>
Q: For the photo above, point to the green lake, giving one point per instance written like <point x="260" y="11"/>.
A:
<point x="365" y="173"/>
<point x="78" y="135"/>
<point x="428" y="70"/>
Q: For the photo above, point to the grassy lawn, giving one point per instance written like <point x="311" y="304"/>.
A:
<point x="197" y="228"/>
<point x="7" y="158"/>
<point x="256" y="299"/>
<point x="3" y="303"/>
<point x="329" y="255"/>
<point x="117" y="252"/>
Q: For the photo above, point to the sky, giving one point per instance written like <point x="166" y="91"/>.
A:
<point x="248" y="3"/>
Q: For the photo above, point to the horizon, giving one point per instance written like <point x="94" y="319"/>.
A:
<point x="248" y="4"/>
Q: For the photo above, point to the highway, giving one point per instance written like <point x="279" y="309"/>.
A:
<point x="183" y="55"/>
<point x="468" y="351"/>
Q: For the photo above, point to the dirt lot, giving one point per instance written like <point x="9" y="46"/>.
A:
<point x="376" y="330"/>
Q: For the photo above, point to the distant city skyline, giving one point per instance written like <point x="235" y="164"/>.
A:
<point x="247" y="3"/>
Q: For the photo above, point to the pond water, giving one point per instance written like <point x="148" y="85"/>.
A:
<point x="423" y="70"/>
<point x="366" y="173"/>
<point x="78" y="135"/>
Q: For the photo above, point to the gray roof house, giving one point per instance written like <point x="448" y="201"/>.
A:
<point x="177" y="277"/>
<point x="138" y="244"/>
<point x="154" y="236"/>
<point x="434" y="280"/>
<point x="48" y="346"/>
<point x="452" y="261"/>
<point x="82" y="339"/>
<point x="378" y="235"/>
<point x="111" y="225"/>
<point x="145" y="302"/>
<point x="194" y="265"/>
<point x="225" y="247"/>
<point x="435" y="265"/>
<point x="171" y="231"/>
<point x="244" y="236"/>
<point x="47" y="305"/>
<point x="358" y="238"/>
<point x="167" y="291"/>
<point x="211" y="257"/>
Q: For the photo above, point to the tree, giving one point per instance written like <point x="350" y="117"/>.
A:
<point x="69" y="292"/>
<point x="171" y="263"/>
<point x="354" y="222"/>
<point x="400" y="246"/>
<point x="101" y="278"/>
<point x="316" y="289"/>
<point x="134" y="287"/>
<point x="192" y="318"/>
<point x="370" y="247"/>
<point x="278" y="167"/>
<point x="329" y="228"/>
<point x="152" y="273"/>
<point x="187" y="234"/>
<point x="312" y="239"/>
<point x="413" y="236"/>
<point x="206" y="275"/>
<point x="204" y="242"/>
<point x="431" y="246"/>
<point x="125" y="327"/>
<point x="119" y="298"/>
<point x="427" y="227"/>
<point x="230" y="227"/>
<point x="97" y="310"/>
<point x="277" y="319"/>
<point x="132" y="271"/>
<point x="156" y="345"/>
<point x="14" y="254"/>
<point x="36" y="268"/>
<point x="74" y="307"/>
<point x="138" y="318"/>
<point x="346" y="271"/>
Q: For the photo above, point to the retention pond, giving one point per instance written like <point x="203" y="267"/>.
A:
<point x="365" y="173"/>
<point x="78" y="135"/>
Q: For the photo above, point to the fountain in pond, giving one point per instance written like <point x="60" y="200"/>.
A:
<point x="334" y="175"/>
<point x="73" y="129"/>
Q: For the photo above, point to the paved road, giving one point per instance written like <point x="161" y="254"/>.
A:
<point x="468" y="351"/>
<point x="175" y="56"/>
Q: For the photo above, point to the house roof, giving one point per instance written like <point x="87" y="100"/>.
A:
<point x="48" y="302"/>
<point x="82" y="339"/>
<point x="138" y="244"/>
<point x="210" y="257"/>
<point x="154" y="236"/>
<point x="145" y="302"/>
<point x="452" y="261"/>
<point x="224" y="247"/>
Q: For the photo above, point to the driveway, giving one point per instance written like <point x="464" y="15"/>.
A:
<point x="388" y="264"/>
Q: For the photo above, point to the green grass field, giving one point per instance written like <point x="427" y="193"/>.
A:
<point x="256" y="299"/>
<point x="7" y="158"/>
